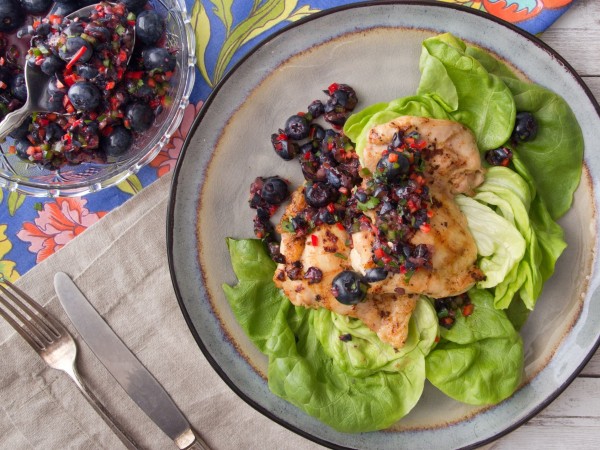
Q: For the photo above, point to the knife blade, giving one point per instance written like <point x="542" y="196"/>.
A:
<point x="124" y="366"/>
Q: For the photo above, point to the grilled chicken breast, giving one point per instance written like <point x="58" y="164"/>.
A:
<point x="313" y="261"/>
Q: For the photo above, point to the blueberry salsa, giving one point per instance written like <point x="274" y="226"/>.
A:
<point x="447" y="309"/>
<point x="327" y="160"/>
<point x="103" y="91"/>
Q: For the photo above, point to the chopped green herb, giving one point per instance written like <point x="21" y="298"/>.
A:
<point x="369" y="204"/>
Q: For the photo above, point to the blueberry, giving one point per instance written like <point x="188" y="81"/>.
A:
<point x="343" y="96"/>
<point x="21" y="146"/>
<point x="316" y="109"/>
<point x="72" y="47"/>
<point x="320" y="194"/>
<point x="316" y="132"/>
<point x="55" y="95"/>
<point x="102" y="34"/>
<point x="376" y="274"/>
<point x="285" y="148"/>
<point x="11" y="15"/>
<point x="132" y="5"/>
<point x="18" y="88"/>
<point x="55" y="102"/>
<point x="349" y="288"/>
<point x="117" y="142"/>
<point x="84" y="96"/>
<point x="158" y="59"/>
<point x="87" y="72"/>
<point x="36" y="6"/>
<point x="526" y="127"/>
<point x="73" y="29"/>
<point x="396" y="140"/>
<point x="296" y="127"/>
<point x="53" y="132"/>
<point x="51" y="65"/>
<point x="274" y="190"/>
<point x="307" y="148"/>
<point x="43" y="29"/>
<point x="53" y="88"/>
<point x="392" y="166"/>
<point x="139" y="117"/>
<point x="499" y="156"/>
<point x="149" y="27"/>
<point x="336" y="118"/>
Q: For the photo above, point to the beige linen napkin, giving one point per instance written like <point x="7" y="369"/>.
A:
<point x="120" y="263"/>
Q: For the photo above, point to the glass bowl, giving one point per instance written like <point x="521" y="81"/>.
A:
<point x="17" y="174"/>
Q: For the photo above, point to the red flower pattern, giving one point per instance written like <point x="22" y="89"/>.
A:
<point x="57" y="223"/>
<point x="166" y="159"/>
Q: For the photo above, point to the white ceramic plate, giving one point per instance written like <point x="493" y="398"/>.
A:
<point x="375" y="48"/>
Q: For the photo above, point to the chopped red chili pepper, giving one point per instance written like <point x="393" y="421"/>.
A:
<point x="332" y="88"/>
<point x="467" y="310"/>
<point x="314" y="240"/>
<point x="77" y="56"/>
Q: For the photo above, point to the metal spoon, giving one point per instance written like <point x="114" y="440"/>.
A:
<point x="37" y="88"/>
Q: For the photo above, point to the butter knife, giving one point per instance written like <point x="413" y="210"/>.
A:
<point x="123" y="365"/>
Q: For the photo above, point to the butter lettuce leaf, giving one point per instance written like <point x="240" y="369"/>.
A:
<point x="555" y="157"/>
<point x="364" y="353"/>
<point x="510" y="195"/>
<point x="470" y="94"/>
<point x="500" y="246"/>
<point x="478" y="361"/>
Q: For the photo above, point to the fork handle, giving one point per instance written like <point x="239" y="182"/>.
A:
<point x="101" y="410"/>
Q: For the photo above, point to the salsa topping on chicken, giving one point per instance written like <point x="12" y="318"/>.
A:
<point x="365" y="240"/>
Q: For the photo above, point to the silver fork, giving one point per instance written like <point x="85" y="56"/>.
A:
<point x="51" y="340"/>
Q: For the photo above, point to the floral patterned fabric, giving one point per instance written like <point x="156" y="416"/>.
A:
<point x="31" y="229"/>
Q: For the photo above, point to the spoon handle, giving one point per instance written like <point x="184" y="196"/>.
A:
<point x="12" y="120"/>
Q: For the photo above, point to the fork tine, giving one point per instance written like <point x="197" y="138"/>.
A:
<point x="41" y="329"/>
<point x="31" y="339"/>
<point x="44" y="321"/>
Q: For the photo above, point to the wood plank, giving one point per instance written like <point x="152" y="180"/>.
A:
<point x="584" y="14"/>
<point x="576" y="36"/>
<point x="592" y="369"/>
<point x="574" y="417"/>
<point x="580" y="47"/>
<point x="557" y="434"/>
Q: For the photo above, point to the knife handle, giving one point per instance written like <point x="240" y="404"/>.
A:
<point x="100" y="409"/>
<point x="190" y="440"/>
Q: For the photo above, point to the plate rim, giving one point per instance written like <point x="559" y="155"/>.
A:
<point x="170" y="219"/>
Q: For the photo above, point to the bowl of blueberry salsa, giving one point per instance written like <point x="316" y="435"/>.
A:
<point x="117" y="80"/>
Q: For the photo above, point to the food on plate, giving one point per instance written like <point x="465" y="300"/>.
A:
<point x="416" y="247"/>
<point x="103" y="91"/>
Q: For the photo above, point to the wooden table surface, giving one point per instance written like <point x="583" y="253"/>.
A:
<point x="572" y="421"/>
